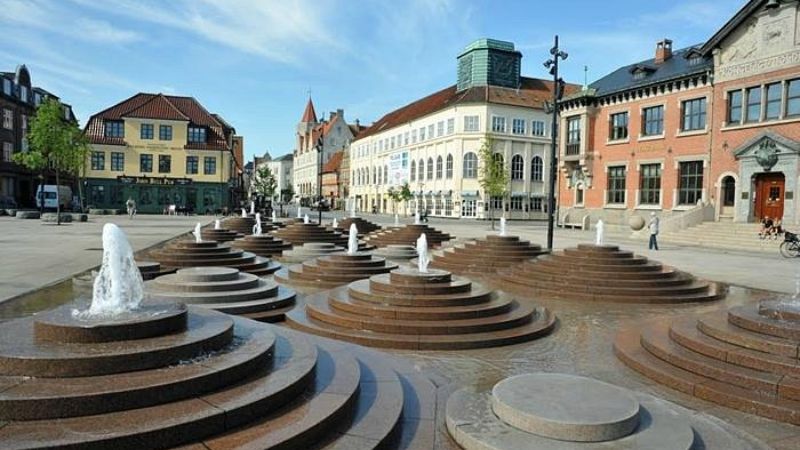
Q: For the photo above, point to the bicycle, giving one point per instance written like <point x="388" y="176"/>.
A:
<point x="790" y="247"/>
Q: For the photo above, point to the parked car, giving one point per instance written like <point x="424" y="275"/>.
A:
<point x="7" y="202"/>
<point x="52" y="195"/>
<point x="321" y="206"/>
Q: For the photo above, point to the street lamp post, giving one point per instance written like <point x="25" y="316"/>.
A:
<point x="320" y="147"/>
<point x="558" y="90"/>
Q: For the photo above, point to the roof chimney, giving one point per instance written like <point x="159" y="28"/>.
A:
<point x="663" y="51"/>
<point x="358" y="123"/>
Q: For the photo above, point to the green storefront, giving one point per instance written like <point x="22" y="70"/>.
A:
<point x="153" y="195"/>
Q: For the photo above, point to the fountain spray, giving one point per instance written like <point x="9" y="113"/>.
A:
<point x="352" y="240"/>
<point x="423" y="259"/>
<point x="119" y="287"/>
<point x="257" y="226"/>
<point x="503" y="226"/>
<point x="599" y="232"/>
<point x="198" y="235"/>
<point x="217" y="224"/>
<point x="305" y="219"/>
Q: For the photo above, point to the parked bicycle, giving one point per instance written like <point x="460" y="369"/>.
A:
<point x="790" y="247"/>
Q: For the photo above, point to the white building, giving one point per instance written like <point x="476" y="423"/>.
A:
<point x="282" y="169"/>
<point x="336" y="135"/>
<point x="433" y="143"/>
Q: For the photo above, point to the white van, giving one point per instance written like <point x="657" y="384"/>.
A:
<point x="53" y="194"/>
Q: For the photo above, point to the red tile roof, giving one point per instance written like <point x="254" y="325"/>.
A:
<point x="532" y="93"/>
<point x="309" y="115"/>
<point x="161" y="107"/>
<point x="333" y="163"/>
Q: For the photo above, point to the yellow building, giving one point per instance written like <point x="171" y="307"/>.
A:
<point x="161" y="150"/>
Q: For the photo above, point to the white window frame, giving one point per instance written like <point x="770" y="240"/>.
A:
<point x="496" y="122"/>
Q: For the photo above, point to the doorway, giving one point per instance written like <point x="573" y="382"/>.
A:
<point x="769" y="195"/>
<point x="728" y="196"/>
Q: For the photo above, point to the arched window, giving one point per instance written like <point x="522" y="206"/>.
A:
<point x="438" y="167"/>
<point x="470" y="165"/>
<point x="413" y="170"/>
<point x="421" y="168"/>
<point x="374" y="175"/>
<point x="385" y="174"/>
<point x="449" y="167"/>
<point x="430" y="168"/>
<point x="517" y="167"/>
<point x="498" y="161"/>
<point x="366" y="177"/>
<point x="537" y="169"/>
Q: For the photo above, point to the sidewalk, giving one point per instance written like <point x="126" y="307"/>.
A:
<point x="35" y="255"/>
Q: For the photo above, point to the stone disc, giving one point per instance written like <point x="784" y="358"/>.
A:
<point x="566" y="407"/>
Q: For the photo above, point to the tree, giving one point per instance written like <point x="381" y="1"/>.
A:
<point x="55" y="143"/>
<point x="265" y="183"/>
<point x="405" y="195"/>
<point x="394" y="196"/>
<point x="494" y="177"/>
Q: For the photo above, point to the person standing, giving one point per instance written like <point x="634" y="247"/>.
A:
<point x="131" y="207"/>
<point x="653" y="227"/>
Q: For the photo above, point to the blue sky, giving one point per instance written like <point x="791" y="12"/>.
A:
<point x="254" y="61"/>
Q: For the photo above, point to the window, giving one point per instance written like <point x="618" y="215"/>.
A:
<point x="405" y="138"/>
<point x="615" y="189"/>
<point x="619" y="126"/>
<point x="518" y="126"/>
<point x="579" y="194"/>
<point x="653" y="121"/>
<point x="472" y="123"/>
<point x="164" y="164"/>
<point x="165" y="132"/>
<point x="793" y="98"/>
<point x="536" y="204"/>
<point x="753" y="111"/>
<point x="470" y="165"/>
<point x="385" y="174"/>
<point x="8" y="150"/>
<point x="734" y="107"/>
<point x="114" y="129"/>
<point x="451" y="126"/>
<point x="97" y="194"/>
<point x="413" y="136"/>
<point x="422" y="134"/>
<point x="117" y="161"/>
<point x="440" y="128"/>
<point x="650" y="184"/>
<point x="197" y="134"/>
<point x="430" y="168"/>
<point x="8" y="119"/>
<point x="6" y="86"/>
<point x="449" y="167"/>
<point x="774" y="94"/>
<point x="496" y="203"/>
<point x="145" y="163"/>
<point x="498" y="124"/>
<point x="392" y="142"/>
<point x="690" y="183"/>
<point x="209" y="165"/>
<point x="537" y="169"/>
<point x="438" y="167"/>
<point x="516" y="203"/>
<point x="146" y="131"/>
<point x="448" y="206"/>
<point x="98" y="160"/>
<point x="23" y="93"/>
<point x="517" y="167"/>
<point x="693" y="114"/>
<point x="537" y="128"/>
<point x="573" y="130"/>
<point x="413" y="170"/>
<point x="499" y="162"/>
<point x="421" y="173"/>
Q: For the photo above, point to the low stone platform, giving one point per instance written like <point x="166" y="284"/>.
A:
<point x="203" y="379"/>
<point x="745" y="358"/>
<point x="149" y="270"/>
<point x="407" y="235"/>
<point x="333" y="270"/>
<point x="219" y="234"/>
<point x="243" y="225"/>
<point x="364" y="226"/>
<point x="188" y="253"/>
<point x="396" y="252"/>
<point x="300" y="233"/>
<point x="265" y="245"/>
<point x="606" y="274"/>
<point x="226" y="290"/>
<point x="311" y="250"/>
<point x="484" y="257"/>
<point x="414" y="310"/>
<point x="557" y="411"/>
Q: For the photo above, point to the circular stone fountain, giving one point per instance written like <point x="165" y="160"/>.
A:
<point x="407" y="235"/>
<point x="127" y="372"/>
<point x="148" y="269"/>
<point x="220" y="234"/>
<point x="407" y="308"/>
<point x="396" y="252"/>
<point x="226" y="290"/>
<point x="308" y="251"/>
<point x="484" y="257"/>
<point x="299" y="234"/>
<point x="191" y="253"/>
<point x="264" y="245"/>
<point x="364" y="226"/>
<point x="333" y="270"/>
<point x="744" y="358"/>
<point x="607" y="274"/>
<point x="559" y="411"/>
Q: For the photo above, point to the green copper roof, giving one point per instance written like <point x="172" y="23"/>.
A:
<point x="489" y="44"/>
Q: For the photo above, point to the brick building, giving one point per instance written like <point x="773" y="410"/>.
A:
<point x="713" y="127"/>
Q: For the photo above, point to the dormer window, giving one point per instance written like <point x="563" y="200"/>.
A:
<point x="37" y="98"/>
<point x="197" y="134"/>
<point x="23" y="94"/>
<point x="114" y="129"/>
<point x="7" y="85"/>
<point x="639" y="75"/>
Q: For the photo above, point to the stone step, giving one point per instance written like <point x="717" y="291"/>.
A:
<point x="340" y="301"/>
<point x="750" y="319"/>
<point x="360" y="290"/>
<point x="282" y="298"/>
<point x="718" y="327"/>
<point x="666" y="279"/>
<point x="699" y="292"/>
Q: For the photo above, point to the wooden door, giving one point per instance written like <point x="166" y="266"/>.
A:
<point x="769" y="196"/>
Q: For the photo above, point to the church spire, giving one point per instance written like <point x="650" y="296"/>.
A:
<point x="309" y="115"/>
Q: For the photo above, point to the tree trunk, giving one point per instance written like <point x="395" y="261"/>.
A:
<point x="58" y="197"/>
<point x="491" y="215"/>
<point x="39" y="197"/>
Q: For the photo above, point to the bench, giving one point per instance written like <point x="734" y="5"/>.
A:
<point x="571" y="221"/>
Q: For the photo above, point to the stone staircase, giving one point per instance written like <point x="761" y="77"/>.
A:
<point x="723" y="235"/>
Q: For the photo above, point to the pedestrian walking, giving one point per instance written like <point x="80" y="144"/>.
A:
<point x="130" y="205"/>
<point x="653" y="227"/>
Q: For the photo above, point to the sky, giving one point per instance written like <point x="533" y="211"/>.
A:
<point x="255" y="62"/>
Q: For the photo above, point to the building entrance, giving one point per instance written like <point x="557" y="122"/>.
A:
<point x="769" y="195"/>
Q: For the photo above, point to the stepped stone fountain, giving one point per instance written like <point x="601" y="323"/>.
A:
<point x="607" y="274"/>
<point x="484" y="257"/>
<point x="300" y="233"/>
<point x="310" y="250"/>
<point x="201" y="253"/>
<point x="226" y="290"/>
<point x="132" y="372"/>
<point x="364" y="226"/>
<point x="265" y="245"/>
<point x="408" y="308"/>
<point x="558" y="411"/>
<point x="396" y="252"/>
<point x="148" y="269"/>
<point x="744" y="358"/>
<point x="407" y="235"/>
<point x="220" y="234"/>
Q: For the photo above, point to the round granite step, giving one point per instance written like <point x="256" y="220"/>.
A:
<point x="264" y="245"/>
<point x="407" y="235"/>
<point x="364" y="226"/>
<point x="483" y="257"/>
<point x="189" y="253"/>
<point x="334" y="270"/>
<point x="219" y="234"/>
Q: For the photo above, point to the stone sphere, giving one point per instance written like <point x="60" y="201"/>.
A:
<point x="636" y="223"/>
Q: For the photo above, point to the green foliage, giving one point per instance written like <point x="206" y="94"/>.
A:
<point x="405" y="192"/>
<point x="265" y="183"/>
<point x="494" y="175"/>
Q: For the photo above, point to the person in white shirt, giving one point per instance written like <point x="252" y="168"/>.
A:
<point x="653" y="227"/>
